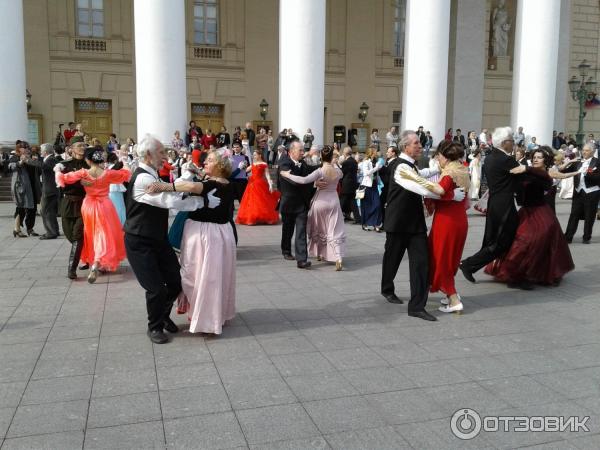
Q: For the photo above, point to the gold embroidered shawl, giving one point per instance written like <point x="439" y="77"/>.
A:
<point x="459" y="174"/>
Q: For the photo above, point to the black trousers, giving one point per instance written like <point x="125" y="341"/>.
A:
<point x="49" y="211"/>
<point x="586" y="206"/>
<point x="26" y="216"/>
<point x="349" y="205"/>
<point x="239" y="187"/>
<point x="156" y="268"/>
<point x="297" y="221"/>
<point x="396" y="244"/>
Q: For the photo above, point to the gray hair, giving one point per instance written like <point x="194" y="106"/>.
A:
<point x="500" y="135"/>
<point x="588" y="145"/>
<point x="47" y="149"/>
<point x="403" y="140"/>
<point x="296" y="144"/>
<point x="149" y="144"/>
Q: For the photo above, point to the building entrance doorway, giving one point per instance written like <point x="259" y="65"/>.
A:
<point x="208" y="116"/>
<point x="95" y="116"/>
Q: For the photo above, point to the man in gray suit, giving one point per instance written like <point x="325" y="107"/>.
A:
<point x="49" y="203"/>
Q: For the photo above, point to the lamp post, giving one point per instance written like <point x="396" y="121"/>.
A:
<point x="364" y="110"/>
<point x="580" y="88"/>
<point x="264" y="109"/>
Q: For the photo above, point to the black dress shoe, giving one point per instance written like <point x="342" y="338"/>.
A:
<point x="585" y="241"/>
<point x="466" y="273"/>
<point x="31" y="233"/>
<point x="393" y="298"/>
<point x="170" y="326"/>
<point x="84" y="267"/>
<point x="158" y="336"/>
<point x="45" y="236"/>
<point x="524" y="285"/>
<point x="288" y="257"/>
<point x="423" y="315"/>
<point x="303" y="264"/>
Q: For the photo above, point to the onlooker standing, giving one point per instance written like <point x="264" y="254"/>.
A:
<point x="262" y="144"/>
<point x="177" y="142"/>
<point x="370" y="204"/>
<point x="112" y="144"/>
<point x="193" y="131"/>
<point x="208" y="139"/>
<point x="49" y="203"/>
<point x="375" y="140"/>
<point x="349" y="186"/>
<point x="251" y="137"/>
<point x="308" y="139"/>
<point x="270" y="147"/>
<point x="459" y="137"/>
<point x="519" y="137"/>
<point x="70" y="132"/>
<point x="392" y="137"/>
<point x="223" y="138"/>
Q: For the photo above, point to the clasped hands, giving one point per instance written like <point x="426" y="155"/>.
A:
<point x="158" y="186"/>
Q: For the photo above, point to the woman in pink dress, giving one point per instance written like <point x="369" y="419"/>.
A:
<point x="208" y="254"/>
<point x="103" y="242"/>
<point x="325" y="226"/>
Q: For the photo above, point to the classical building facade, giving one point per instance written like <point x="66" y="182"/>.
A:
<point x="132" y="66"/>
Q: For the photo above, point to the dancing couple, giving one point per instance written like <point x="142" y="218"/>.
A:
<point x="433" y="263"/>
<point x="526" y="247"/>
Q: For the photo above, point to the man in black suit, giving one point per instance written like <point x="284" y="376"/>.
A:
<point x="294" y="204"/>
<point x="586" y="193"/>
<point x="405" y="229"/>
<point x="349" y="186"/>
<point x="387" y="172"/>
<point x="459" y="138"/>
<point x="502" y="220"/>
<point x="49" y="203"/>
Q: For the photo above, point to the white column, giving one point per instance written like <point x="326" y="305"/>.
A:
<point x="469" y="66"/>
<point x="161" y="100"/>
<point x="534" y="73"/>
<point x="426" y="66"/>
<point x="302" y="66"/>
<point x="563" y="95"/>
<point x="13" y="110"/>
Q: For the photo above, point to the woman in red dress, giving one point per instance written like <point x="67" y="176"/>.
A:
<point x="540" y="253"/>
<point x="449" y="228"/>
<point x="259" y="203"/>
<point x="103" y="242"/>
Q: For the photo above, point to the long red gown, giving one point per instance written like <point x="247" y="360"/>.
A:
<point x="103" y="238"/>
<point x="447" y="239"/>
<point x="258" y="205"/>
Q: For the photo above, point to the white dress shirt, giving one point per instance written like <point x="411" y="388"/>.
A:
<point x="585" y="165"/>
<point x="411" y="185"/>
<point x="167" y="200"/>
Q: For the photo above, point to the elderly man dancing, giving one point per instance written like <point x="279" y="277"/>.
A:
<point x="146" y="241"/>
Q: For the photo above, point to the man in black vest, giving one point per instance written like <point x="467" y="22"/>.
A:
<point x="49" y="203"/>
<point x="501" y="221"/>
<point x="406" y="230"/>
<point x="349" y="186"/>
<point x="294" y="204"/>
<point x="146" y="240"/>
<point x="387" y="173"/>
<point x="586" y="193"/>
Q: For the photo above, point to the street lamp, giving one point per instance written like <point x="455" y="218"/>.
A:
<point x="364" y="110"/>
<point x="580" y="88"/>
<point x="264" y="109"/>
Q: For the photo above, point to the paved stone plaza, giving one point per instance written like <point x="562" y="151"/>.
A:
<point x="314" y="359"/>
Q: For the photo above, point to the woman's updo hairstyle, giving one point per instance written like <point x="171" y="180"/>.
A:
<point x="452" y="151"/>
<point x="223" y="164"/>
<point x="547" y="153"/>
<point x="327" y="153"/>
<point x="94" y="154"/>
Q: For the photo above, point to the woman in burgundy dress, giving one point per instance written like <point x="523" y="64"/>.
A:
<point x="540" y="253"/>
<point x="449" y="228"/>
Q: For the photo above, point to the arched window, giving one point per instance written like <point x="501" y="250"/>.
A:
<point x="90" y="18"/>
<point x="206" y="22"/>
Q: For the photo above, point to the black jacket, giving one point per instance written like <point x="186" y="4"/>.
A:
<point x="295" y="198"/>
<point x="48" y="182"/>
<point x="349" y="175"/>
